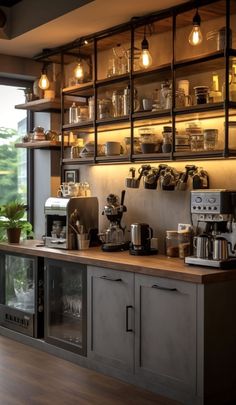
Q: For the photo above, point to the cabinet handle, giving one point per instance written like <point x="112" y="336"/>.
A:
<point x="127" y="318"/>
<point x="110" y="278"/>
<point x="158" y="287"/>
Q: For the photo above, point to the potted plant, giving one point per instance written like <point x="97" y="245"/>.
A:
<point x="12" y="221"/>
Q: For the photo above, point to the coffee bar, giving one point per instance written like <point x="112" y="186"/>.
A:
<point x="131" y="266"/>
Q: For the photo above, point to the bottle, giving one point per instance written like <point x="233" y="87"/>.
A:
<point x="215" y="95"/>
<point x="73" y="114"/>
<point x="232" y="86"/>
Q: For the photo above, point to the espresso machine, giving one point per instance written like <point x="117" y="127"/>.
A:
<point x="215" y="213"/>
<point x="113" y="239"/>
<point x="61" y="215"/>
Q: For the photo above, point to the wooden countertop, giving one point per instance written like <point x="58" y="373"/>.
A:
<point x="157" y="265"/>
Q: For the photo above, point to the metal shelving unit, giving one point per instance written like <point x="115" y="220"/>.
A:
<point x="178" y="64"/>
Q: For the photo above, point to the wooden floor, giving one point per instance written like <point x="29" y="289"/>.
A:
<point x="29" y="377"/>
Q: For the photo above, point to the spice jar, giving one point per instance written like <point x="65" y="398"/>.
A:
<point x="172" y="243"/>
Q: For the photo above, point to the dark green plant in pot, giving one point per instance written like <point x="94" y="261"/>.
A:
<point x="12" y="221"/>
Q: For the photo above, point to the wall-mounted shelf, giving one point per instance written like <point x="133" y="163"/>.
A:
<point x="41" y="105"/>
<point x="39" y="145"/>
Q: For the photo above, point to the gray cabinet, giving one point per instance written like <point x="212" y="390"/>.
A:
<point x="166" y="332"/>
<point x="111" y="318"/>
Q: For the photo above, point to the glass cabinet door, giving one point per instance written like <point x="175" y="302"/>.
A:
<point x="66" y="305"/>
<point x="19" y="283"/>
<point x="22" y="294"/>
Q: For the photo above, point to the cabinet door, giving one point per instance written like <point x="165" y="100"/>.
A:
<point x="110" y="317"/>
<point x="165" y="325"/>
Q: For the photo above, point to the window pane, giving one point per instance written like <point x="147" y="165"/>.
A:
<point x="13" y="167"/>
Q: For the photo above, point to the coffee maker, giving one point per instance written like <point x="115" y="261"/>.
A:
<point x="214" y="210"/>
<point x="60" y="214"/>
<point x="141" y="235"/>
<point x="113" y="239"/>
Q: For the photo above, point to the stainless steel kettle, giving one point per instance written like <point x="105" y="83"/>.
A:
<point x="141" y="235"/>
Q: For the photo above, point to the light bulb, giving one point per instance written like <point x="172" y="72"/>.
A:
<point x="195" y="37"/>
<point x="43" y="82"/>
<point x="79" y="71"/>
<point x="145" y="59"/>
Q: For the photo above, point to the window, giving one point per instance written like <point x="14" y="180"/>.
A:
<point x="13" y="161"/>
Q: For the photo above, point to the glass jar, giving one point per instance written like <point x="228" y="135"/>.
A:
<point x="167" y="142"/>
<point x="185" y="243"/>
<point x="180" y="98"/>
<point x="91" y="110"/>
<point x="172" y="243"/>
<point x="210" y="138"/>
<point x="197" y="142"/>
<point x="73" y="114"/>
<point x="39" y="134"/>
<point x="164" y="93"/>
<point x="104" y="108"/>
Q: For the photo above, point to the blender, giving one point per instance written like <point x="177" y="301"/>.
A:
<point x="113" y="239"/>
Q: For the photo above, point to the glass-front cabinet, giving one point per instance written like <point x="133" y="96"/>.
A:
<point x="22" y="294"/>
<point x="162" y="86"/>
<point x="66" y="314"/>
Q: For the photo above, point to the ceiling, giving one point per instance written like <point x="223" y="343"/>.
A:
<point x="8" y="3"/>
<point x="31" y="36"/>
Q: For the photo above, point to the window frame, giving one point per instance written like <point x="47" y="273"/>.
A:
<point x="7" y="81"/>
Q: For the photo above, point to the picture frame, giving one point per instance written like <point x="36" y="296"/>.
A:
<point x="71" y="176"/>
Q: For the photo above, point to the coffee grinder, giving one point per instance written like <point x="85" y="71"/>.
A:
<point x="113" y="239"/>
<point x="214" y="211"/>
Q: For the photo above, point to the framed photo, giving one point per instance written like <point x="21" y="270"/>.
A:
<point x="71" y="176"/>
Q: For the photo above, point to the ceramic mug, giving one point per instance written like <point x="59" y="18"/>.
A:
<point x="112" y="148"/>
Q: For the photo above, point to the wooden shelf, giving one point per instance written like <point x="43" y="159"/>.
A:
<point x="41" y="105"/>
<point x="39" y="145"/>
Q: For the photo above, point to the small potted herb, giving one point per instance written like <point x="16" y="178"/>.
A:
<point x="12" y="221"/>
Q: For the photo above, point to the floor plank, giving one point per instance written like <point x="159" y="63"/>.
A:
<point x="31" y="377"/>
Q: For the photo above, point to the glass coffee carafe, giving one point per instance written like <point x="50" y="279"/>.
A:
<point x="114" y="234"/>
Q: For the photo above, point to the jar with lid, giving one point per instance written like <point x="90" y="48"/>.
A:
<point x="167" y="139"/>
<point x="185" y="243"/>
<point x="172" y="243"/>
<point x="39" y="134"/>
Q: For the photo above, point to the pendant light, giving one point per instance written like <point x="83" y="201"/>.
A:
<point x="195" y="37"/>
<point x="145" y="59"/>
<point x="43" y="81"/>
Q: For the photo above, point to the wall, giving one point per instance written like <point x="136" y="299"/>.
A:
<point x="46" y="173"/>
<point x="162" y="210"/>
